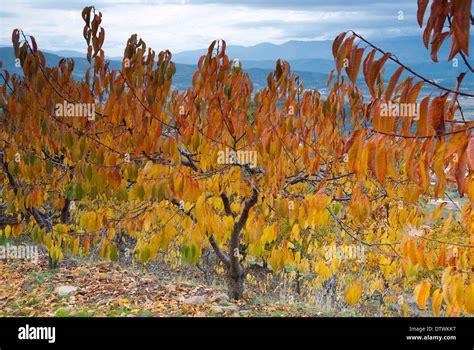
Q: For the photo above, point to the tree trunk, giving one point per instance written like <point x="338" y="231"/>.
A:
<point x="65" y="212"/>
<point x="235" y="284"/>
<point x="235" y="272"/>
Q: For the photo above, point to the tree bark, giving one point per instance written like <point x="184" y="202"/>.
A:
<point x="236" y="273"/>
<point x="236" y="284"/>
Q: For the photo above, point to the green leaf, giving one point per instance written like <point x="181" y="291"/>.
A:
<point x="112" y="252"/>
<point x="49" y="166"/>
<point x="68" y="192"/>
<point x="336" y="208"/>
<point x="184" y="254"/>
<point x="68" y="140"/>
<point x="122" y="194"/>
<point x="89" y="172"/>
<point x="141" y="192"/>
<point x="34" y="234"/>
<point x="144" y="254"/>
<point x="79" y="192"/>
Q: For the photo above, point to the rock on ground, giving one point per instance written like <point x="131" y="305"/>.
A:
<point x="195" y="300"/>
<point x="218" y="309"/>
<point x="220" y="298"/>
<point x="63" y="291"/>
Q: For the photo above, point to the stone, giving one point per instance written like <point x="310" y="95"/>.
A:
<point x="220" y="298"/>
<point x="64" y="291"/>
<point x="195" y="300"/>
<point x="219" y="309"/>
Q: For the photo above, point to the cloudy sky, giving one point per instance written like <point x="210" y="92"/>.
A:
<point x="181" y="25"/>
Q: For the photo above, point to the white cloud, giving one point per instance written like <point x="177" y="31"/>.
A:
<point x="182" y="25"/>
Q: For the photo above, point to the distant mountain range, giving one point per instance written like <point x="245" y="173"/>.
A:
<point x="311" y="60"/>
<point x="181" y="80"/>
<point x="408" y="49"/>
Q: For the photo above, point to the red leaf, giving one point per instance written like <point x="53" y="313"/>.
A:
<point x="15" y="37"/>
<point x="337" y="42"/>
<point x="461" y="11"/>
<point x="354" y="65"/>
<point x="33" y="43"/>
<point x="422" y="4"/>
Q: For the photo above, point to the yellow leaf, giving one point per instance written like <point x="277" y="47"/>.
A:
<point x="422" y="292"/>
<point x="147" y="221"/>
<point x="295" y="232"/>
<point x="75" y="246"/>
<point x="412" y="252"/>
<point x="429" y="260"/>
<point x="111" y="233"/>
<point x="353" y="293"/>
<point x="436" y="301"/>
<point x="437" y="211"/>
<point x="458" y="289"/>
<point x="469" y="299"/>
<point x="8" y="230"/>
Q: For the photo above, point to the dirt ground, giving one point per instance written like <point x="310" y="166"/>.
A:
<point x="29" y="288"/>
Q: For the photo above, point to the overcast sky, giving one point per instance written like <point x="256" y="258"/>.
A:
<point x="181" y="25"/>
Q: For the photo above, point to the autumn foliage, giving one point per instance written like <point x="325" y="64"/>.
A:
<point x="172" y="170"/>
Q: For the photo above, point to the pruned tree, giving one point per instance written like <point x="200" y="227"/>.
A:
<point x="281" y="174"/>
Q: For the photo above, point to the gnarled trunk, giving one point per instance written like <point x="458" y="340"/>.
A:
<point x="235" y="284"/>
<point x="235" y="271"/>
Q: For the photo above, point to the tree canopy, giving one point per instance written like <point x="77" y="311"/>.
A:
<point x="278" y="175"/>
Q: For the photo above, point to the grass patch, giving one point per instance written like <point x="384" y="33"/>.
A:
<point x="63" y="313"/>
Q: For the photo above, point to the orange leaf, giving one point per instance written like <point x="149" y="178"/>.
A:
<point x="391" y="84"/>
<point x="470" y="154"/>
<point x="422" y="292"/>
<point x="436" y="114"/>
<point x="381" y="160"/>
<point x="436" y="302"/>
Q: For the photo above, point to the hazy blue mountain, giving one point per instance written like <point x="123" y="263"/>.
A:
<point x="316" y="57"/>
<point x="266" y="51"/>
<point x="7" y="56"/>
<point x="320" y="65"/>
<point x="67" y="53"/>
<point x="408" y="49"/>
<point x="181" y="80"/>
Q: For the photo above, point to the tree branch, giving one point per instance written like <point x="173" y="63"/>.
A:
<point x="394" y="59"/>
<point x="227" y="208"/>
<point x="346" y="228"/>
